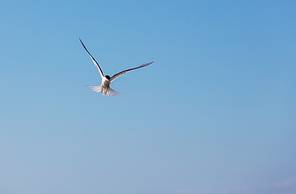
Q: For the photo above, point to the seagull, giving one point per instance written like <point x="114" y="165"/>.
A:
<point x="104" y="88"/>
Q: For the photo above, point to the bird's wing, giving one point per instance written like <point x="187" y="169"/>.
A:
<point x="93" y="59"/>
<point x="126" y="71"/>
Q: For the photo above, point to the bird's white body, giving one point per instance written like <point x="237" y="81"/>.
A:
<point x="105" y="85"/>
<point x="105" y="82"/>
<point x="104" y="88"/>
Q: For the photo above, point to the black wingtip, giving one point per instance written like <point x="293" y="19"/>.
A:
<point x="147" y="64"/>
<point x="84" y="46"/>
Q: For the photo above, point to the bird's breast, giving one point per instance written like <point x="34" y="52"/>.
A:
<point x="105" y="83"/>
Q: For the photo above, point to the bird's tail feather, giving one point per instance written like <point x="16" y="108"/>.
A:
<point x="95" y="88"/>
<point x="108" y="92"/>
<point x="112" y="92"/>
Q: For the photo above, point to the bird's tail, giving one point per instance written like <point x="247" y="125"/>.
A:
<point x="111" y="92"/>
<point x="104" y="91"/>
<point x="95" y="88"/>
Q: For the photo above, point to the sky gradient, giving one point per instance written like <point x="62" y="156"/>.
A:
<point x="214" y="114"/>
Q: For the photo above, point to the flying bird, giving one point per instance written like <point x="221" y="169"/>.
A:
<point x="104" y="88"/>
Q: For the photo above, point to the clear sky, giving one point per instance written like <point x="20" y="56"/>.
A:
<point x="214" y="114"/>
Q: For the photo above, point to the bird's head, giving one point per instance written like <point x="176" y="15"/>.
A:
<point x="108" y="78"/>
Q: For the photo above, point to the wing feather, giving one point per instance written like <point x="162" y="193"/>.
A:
<point x="93" y="59"/>
<point x="128" y="70"/>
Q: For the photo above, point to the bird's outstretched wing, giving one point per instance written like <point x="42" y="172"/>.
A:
<point x="126" y="71"/>
<point x="93" y="59"/>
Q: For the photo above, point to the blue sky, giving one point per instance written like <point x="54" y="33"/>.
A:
<point x="214" y="114"/>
